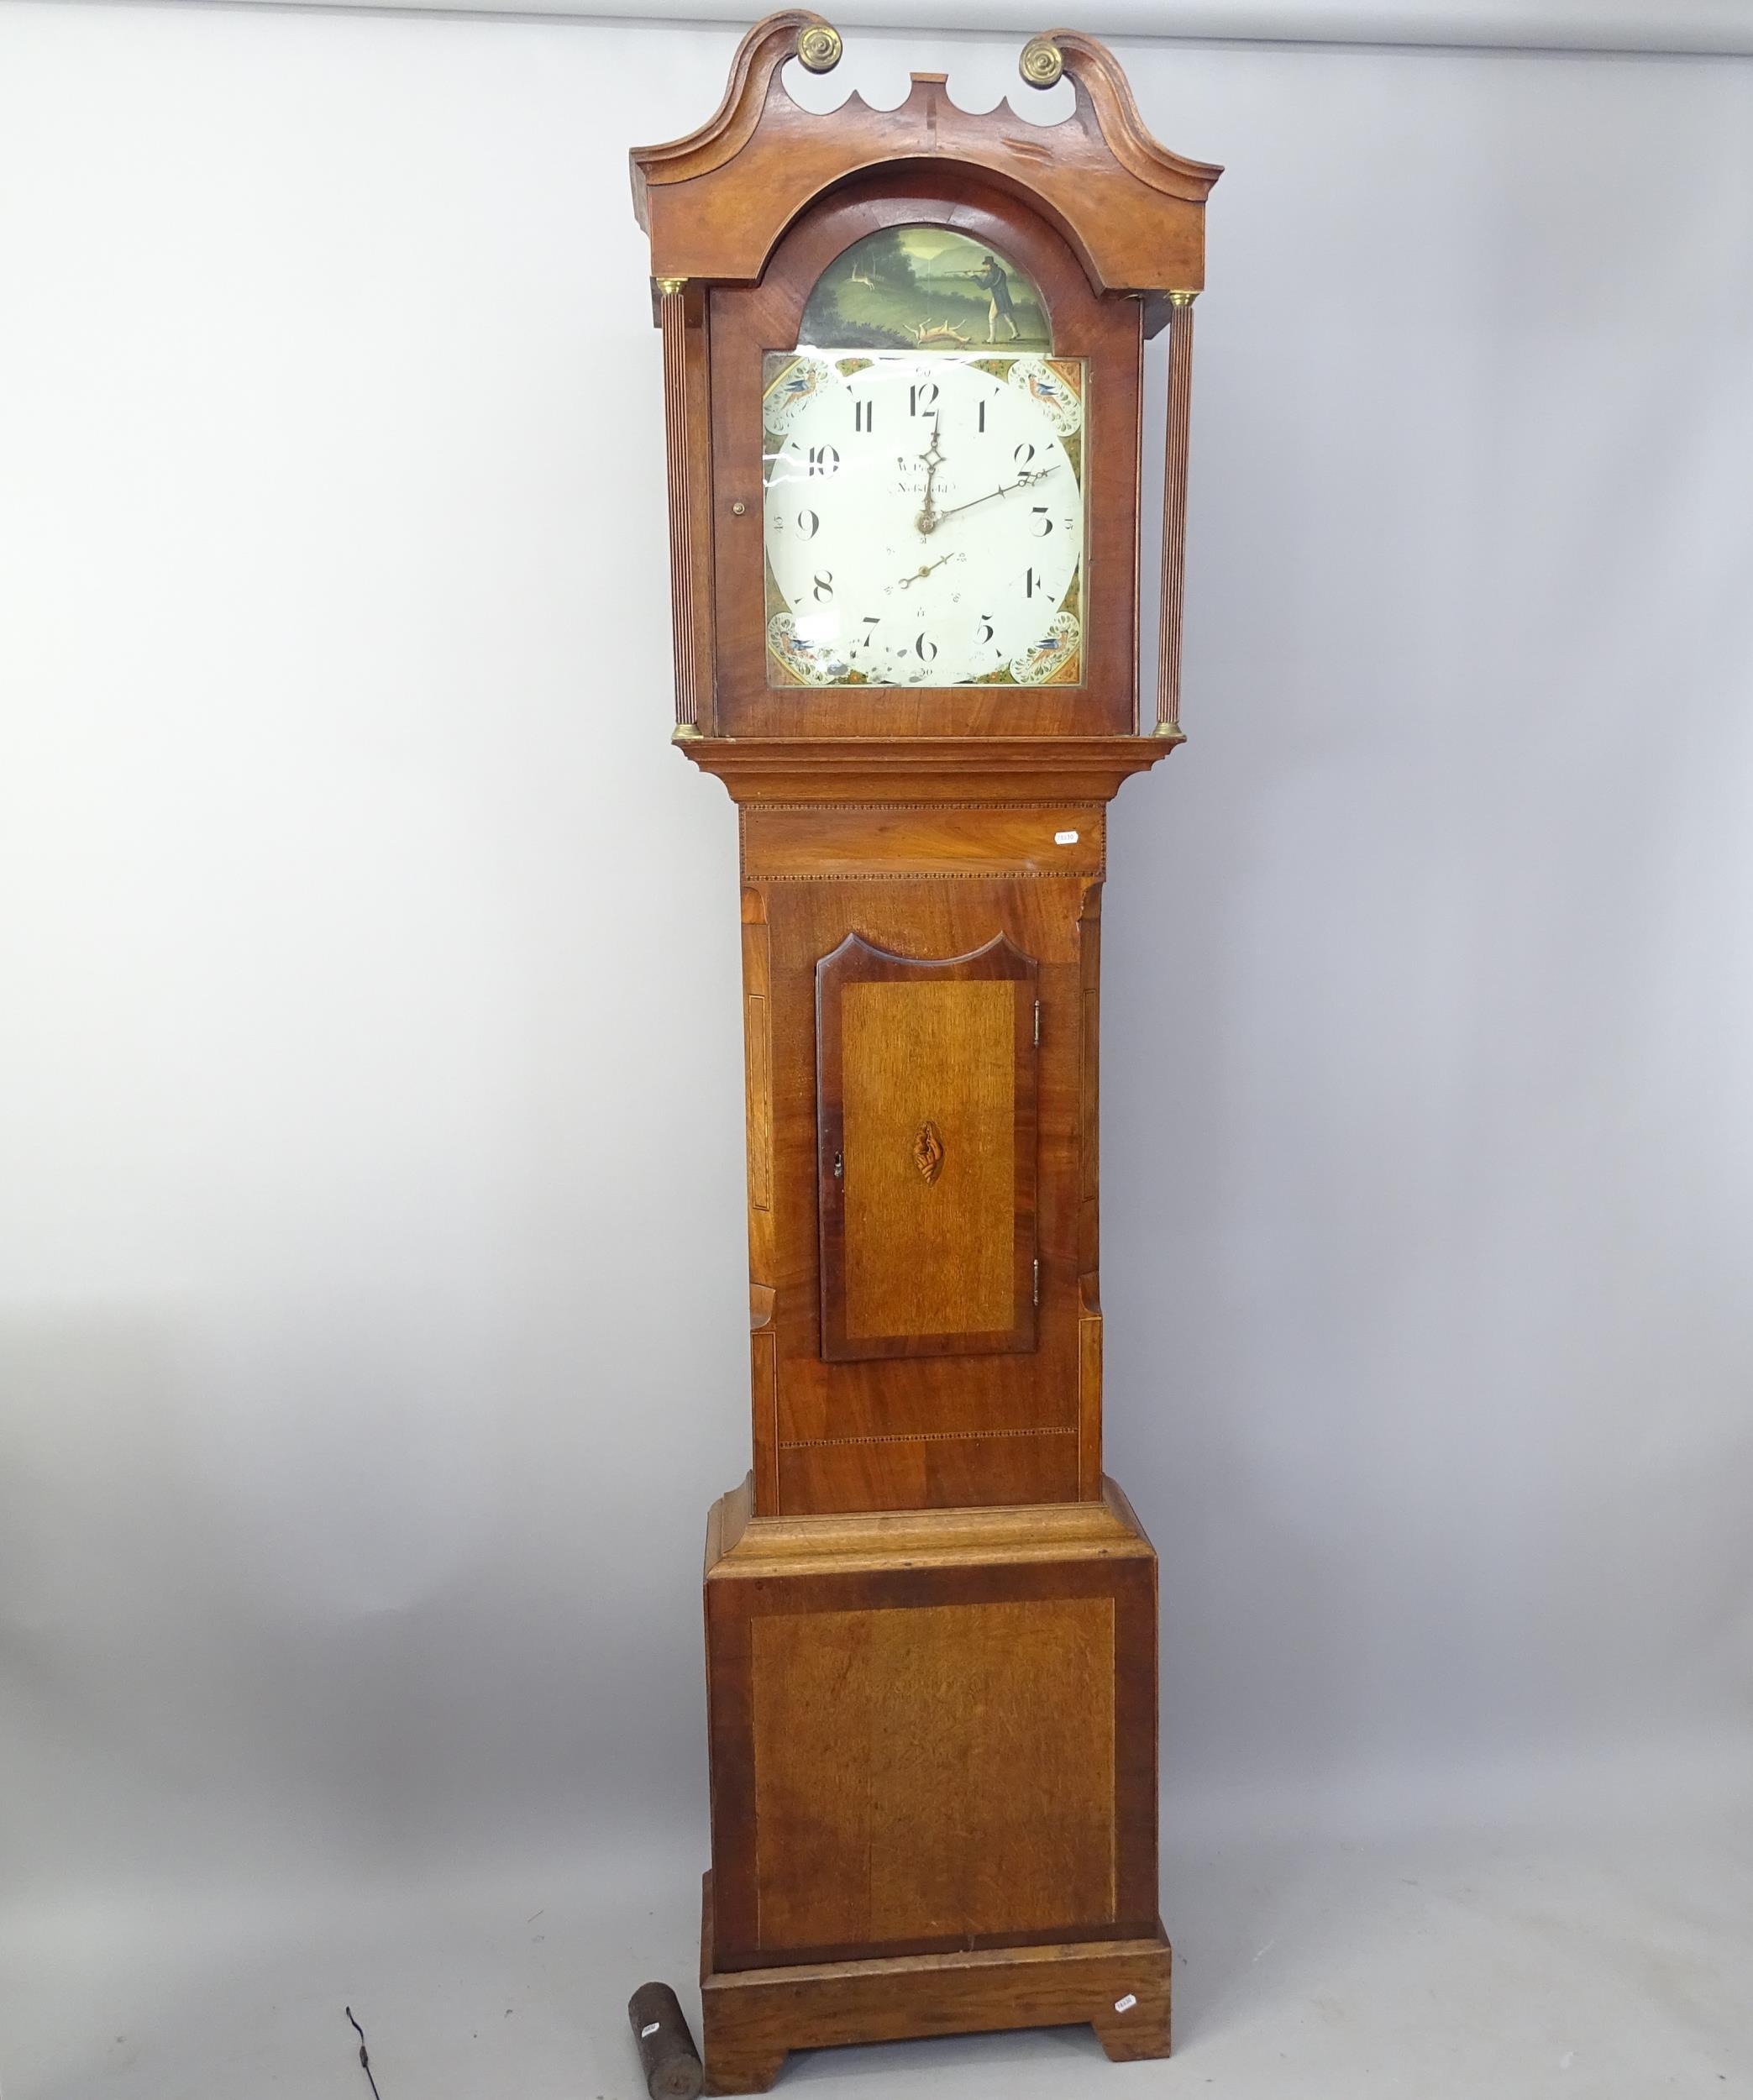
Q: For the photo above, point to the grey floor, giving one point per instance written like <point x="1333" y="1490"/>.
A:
<point x="1602" y="1967"/>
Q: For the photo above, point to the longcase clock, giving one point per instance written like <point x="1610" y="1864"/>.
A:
<point x="903" y="359"/>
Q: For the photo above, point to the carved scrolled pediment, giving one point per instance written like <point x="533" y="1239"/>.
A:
<point x="715" y="202"/>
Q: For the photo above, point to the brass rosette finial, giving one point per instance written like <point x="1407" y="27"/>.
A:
<point x="819" y="48"/>
<point x="1041" y="63"/>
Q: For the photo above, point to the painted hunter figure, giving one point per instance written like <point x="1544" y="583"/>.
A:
<point x="992" y="280"/>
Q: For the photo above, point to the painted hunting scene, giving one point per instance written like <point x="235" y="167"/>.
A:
<point x="923" y="288"/>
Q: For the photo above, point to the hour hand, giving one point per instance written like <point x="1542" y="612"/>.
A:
<point x="932" y="456"/>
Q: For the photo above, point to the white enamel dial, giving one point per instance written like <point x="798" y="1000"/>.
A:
<point x="924" y="519"/>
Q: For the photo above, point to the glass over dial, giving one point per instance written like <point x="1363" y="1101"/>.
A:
<point x="923" y="518"/>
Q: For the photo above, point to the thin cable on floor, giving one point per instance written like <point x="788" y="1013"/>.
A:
<point x="364" y="2061"/>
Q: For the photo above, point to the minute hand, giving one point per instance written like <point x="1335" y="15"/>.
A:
<point x="1022" y="482"/>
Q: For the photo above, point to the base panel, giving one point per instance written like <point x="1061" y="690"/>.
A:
<point x="931" y="1733"/>
<point x="752" y="2019"/>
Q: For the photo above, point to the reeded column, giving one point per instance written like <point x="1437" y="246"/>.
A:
<point x="671" y="296"/>
<point x="1174" y="513"/>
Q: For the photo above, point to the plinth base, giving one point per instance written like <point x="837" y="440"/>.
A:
<point x="752" y="2019"/>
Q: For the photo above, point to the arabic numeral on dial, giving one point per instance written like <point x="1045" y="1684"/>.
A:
<point x="1045" y="524"/>
<point x="1024" y="455"/>
<point x="823" y="460"/>
<point x="808" y="523"/>
<point x="864" y="415"/>
<point x="980" y="420"/>
<point x="1031" y="583"/>
<point x="987" y="629"/>
<point x="922" y="397"/>
<point x="926" y="649"/>
<point x="822" y="584"/>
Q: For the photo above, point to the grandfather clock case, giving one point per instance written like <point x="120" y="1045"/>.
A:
<point x="904" y="359"/>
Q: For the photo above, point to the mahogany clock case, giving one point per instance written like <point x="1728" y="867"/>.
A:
<point x="930" y="1620"/>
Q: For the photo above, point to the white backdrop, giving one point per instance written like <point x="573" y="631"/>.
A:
<point x="371" y="1270"/>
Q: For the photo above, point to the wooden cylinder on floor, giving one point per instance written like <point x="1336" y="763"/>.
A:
<point x="667" y="2055"/>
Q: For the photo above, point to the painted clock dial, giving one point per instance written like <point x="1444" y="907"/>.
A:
<point x="923" y="517"/>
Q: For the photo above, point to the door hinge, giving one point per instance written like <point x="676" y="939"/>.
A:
<point x="1037" y="1280"/>
<point x="1038" y="1024"/>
